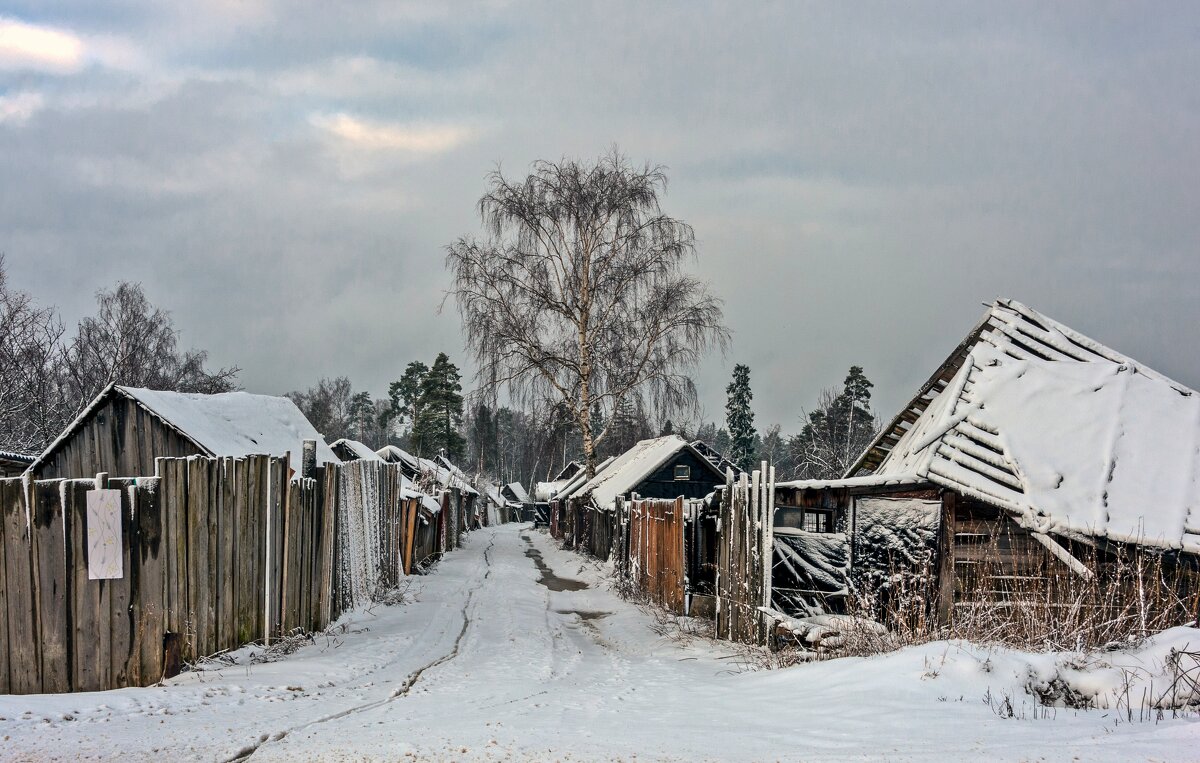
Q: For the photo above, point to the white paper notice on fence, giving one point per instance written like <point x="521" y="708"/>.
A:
<point x="104" y="534"/>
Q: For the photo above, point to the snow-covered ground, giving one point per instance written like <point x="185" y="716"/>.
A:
<point x="486" y="664"/>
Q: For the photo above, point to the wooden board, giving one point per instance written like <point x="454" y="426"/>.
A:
<point x="227" y="632"/>
<point x="50" y="554"/>
<point x="24" y="664"/>
<point x="149" y="556"/>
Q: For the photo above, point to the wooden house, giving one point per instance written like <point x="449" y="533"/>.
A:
<point x="124" y="429"/>
<point x="14" y="464"/>
<point x="515" y="492"/>
<point x="663" y="467"/>
<point x="1033" y="461"/>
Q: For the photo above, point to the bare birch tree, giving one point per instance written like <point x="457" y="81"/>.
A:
<point x="577" y="294"/>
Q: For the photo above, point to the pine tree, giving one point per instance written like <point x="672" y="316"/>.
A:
<point x="739" y="419"/>
<point x="361" y="414"/>
<point x="439" y="411"/>
<point x="840" y="428"/>
<point x="405" y="394"/>
<point x="668" y="429"/>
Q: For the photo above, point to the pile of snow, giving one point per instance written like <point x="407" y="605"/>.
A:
<point x="824" y="632"/>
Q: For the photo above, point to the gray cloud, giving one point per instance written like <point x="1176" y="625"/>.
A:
<point x="859" y="179"/>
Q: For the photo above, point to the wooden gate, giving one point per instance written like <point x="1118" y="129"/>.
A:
<point x="745" y="555"/>
<point x="656" y="551"/>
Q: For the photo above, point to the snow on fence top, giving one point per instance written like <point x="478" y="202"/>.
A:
<point x="1105" y="449"/>
<point x="361" y="451"/>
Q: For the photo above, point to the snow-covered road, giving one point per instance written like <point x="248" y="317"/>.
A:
<point x="497" y="658"/>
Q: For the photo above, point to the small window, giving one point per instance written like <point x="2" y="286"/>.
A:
<point x="818" y="521"/>
<point x="683" y="472"/>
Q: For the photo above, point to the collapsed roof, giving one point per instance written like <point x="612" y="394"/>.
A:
<point x="1069" y="436"/>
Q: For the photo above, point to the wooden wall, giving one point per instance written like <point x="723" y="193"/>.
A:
<point x="217" y="552"/>
<point x="119" y="438"/>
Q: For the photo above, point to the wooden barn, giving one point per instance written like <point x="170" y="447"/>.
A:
<point x="1034" y="465"/>
<point x="124" y="429"/>
<point x="14" y="464"/>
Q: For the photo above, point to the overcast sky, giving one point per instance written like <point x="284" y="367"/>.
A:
<point x="284" y="176"/>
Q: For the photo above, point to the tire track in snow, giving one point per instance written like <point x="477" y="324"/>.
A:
<point x="403" y="691"/>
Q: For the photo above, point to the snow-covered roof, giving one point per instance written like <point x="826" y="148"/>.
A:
<point x="1014" y="329"/>
<point x="633" y="466"/>
<point x="1068" y="435"/>
<point x="447" y="475"/>
<point x="360" y="451"/>
<point x="518" y="491"/>
<point x="544" y="491"/>
<point x="20" y="458"/>
<point x="568" y="471"/>
<point x="444" y="473"/>
<point x="493" y="494"/>
<point x="395" y="455"/>
<point x="571" y="486"/>
<point x="224" y="424"/>
<point x="408" y="489"/>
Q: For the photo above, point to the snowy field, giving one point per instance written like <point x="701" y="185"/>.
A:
<point x="487" y="664"/>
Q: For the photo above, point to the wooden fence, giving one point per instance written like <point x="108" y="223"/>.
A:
<point x="656" y="558"/>
<point x="215" y="553"/>
<point x="745" y="556"/>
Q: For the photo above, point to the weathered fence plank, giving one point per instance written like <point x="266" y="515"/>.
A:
<point x="50" y="578"/>
<point x="149" y="603"/>
<point x="24" y="662"/>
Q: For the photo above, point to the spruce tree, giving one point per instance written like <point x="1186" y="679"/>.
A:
<point x="739" y="419"/>
<point x="440" y="410"/>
